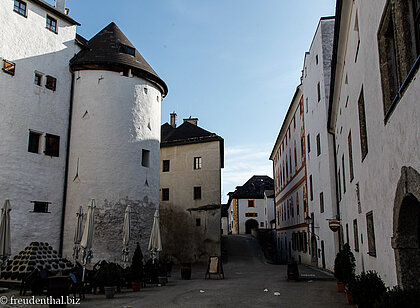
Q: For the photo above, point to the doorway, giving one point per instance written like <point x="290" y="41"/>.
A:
<point x="250" y="224"/>
<point x="406" y="237"/>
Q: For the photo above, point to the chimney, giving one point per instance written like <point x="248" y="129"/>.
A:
<point x="60" y="5"/>
<point x="193" y="121"/>
<point x="173" y="119"/>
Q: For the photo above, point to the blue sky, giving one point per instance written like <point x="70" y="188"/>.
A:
<point x="234" y="64"/>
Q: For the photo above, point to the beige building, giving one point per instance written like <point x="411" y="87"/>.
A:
<point x="190" y="190"/>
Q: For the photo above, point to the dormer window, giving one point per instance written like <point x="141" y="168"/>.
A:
<point x="127" y="49"/>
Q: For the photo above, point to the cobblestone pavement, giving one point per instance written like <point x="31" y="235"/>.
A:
<point x="249" y="282"/>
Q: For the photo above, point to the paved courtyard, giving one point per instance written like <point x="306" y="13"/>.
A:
<point x="249" y="282"/>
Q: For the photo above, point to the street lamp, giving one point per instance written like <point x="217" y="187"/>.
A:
<point x="308" y="220"/>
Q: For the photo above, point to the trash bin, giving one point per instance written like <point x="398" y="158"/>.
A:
<point x="58" y="290"/>
<point x="185" y="271"/>
<point x="292" y="271"/>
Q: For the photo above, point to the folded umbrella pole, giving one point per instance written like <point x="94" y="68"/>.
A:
<point x="87" y="238"/>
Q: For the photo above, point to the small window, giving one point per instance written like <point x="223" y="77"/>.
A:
<point x="355" y="235"/>
<point x="127" y="49"/>
<point x="38" y="79"/>
<point x="251" y="214"/>
<point x="318" y="145"/>
<point x="52" y="145"/>
<point x="344" y="174"/>
<point x="197" y="163"/>
<point x="371" y="234"/>
<point x="145" y="158"/>
<point x="309" y="143"/>
<point x="197" y="192"/>
<point x="51" y="83"/>
<point x="350" y="156"/>
<point x="20" y="7"/>
<point x="33" y="144"/>
<point x="165" y="166"/>
<point x="51" y="24"/>
<point x="318" y="87"/>
<point x="9" y="67"/>
<point x="262" y="224"/>
<point x="311" y="190"/>
<point x="362" y="125"/>
<point x="165" y="194"/>
<point x="316" y="59"/>
<point x="198" y="222"/>
<point x="251" y="203"/>
<point x="339" y="184"/>
<point x="321" y="202"/>
<point x="40" y="206"/>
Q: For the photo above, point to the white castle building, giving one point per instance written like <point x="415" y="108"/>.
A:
<point x="80" y="120"/>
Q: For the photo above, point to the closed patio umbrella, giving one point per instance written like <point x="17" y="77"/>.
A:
<point x="155" y="243"/>
<point x="87" y="238"/>
<point x="5" y="248"/>
<point x="78" y="234"/>
<point x="126" y="233"/>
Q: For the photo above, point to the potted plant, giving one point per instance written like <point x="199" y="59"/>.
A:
<point x="109" y="277"/>
<point x="344" y="266"/>
<point x="397" y="298"/>
<point x="366" y="289"/>
<point x="136" y="269"/>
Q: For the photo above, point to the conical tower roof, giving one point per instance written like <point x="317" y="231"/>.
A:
<point x="111" y="50"/>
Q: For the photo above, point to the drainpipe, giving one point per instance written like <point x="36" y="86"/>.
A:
<point x="336" y="188"/>
<point x="66" y="171"/>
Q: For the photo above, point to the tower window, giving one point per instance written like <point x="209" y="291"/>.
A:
<point x="145" y="158"/>
<point x="40" y="206"/>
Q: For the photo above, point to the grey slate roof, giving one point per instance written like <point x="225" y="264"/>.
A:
<point x="188" y="133"/>
<point x="104" y="52"/>
<point x="184" y="134"/>
<point x="254" y="188"/>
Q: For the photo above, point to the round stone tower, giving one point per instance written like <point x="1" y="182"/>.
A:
<point x="114" y="142"/>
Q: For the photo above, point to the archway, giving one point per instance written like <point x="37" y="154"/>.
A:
<point x="250" y="224"/>
<point x="406" y="224"/>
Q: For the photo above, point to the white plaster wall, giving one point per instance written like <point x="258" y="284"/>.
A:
<point x="113" y="120"/>
<point x="390" y="146"/>
<point x="243" y="209"/>
<point x="322" y="166"/>
<point x="25" y="176"/>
